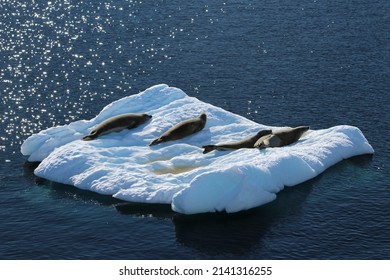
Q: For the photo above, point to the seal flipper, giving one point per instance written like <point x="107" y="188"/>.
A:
<point x="208" y="148"/>
<point x="90" y="136"/>
<point x="155" y="141"/>
<point x="132" y="125"/>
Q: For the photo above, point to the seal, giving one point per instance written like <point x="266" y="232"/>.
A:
<point x="182" y="129"/>
<point x="247" y="142"/>
<point x="117" y="123"/>
<point x="281" y="138"/>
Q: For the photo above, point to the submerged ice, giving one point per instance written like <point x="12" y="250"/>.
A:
<point x="122" y="164"/>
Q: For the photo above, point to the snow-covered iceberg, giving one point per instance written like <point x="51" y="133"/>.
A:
<point x="122" y="164"/>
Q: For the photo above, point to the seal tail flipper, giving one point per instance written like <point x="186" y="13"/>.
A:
<point x="208" y="148"/>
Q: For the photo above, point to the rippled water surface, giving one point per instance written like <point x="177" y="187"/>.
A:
<point x="278" y="63"/>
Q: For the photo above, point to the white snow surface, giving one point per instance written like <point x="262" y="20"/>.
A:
<point x="122" y="164"/>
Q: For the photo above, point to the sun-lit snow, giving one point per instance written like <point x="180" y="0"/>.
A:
<point x="123" y="165"/>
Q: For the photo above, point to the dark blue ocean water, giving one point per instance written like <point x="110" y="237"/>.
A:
<point x="287" y="63"/>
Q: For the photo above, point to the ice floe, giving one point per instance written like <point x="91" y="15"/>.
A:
<point x="123" y="165"/>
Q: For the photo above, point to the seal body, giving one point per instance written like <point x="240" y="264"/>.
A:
<point x="281" y="138"/>
<point x="117" y="123"/>
<point x="182" y="129"/>
<point x="247" y="142"/>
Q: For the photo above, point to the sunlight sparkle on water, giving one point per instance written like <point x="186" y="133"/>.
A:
<point x="59" y="64"/>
